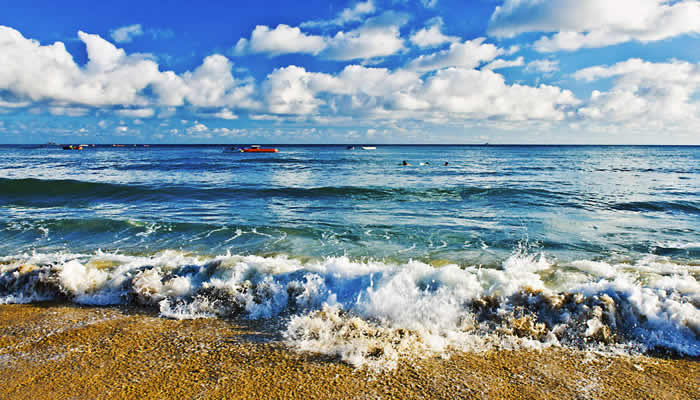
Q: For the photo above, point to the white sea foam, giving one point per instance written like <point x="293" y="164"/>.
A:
<point x="372" y="313"/>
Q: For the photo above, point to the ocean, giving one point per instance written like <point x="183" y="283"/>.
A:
<point x="352" y="254"/>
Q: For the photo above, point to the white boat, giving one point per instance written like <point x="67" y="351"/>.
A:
<point x="369" y="148"/>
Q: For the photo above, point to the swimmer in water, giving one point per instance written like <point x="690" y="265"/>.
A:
<point x="405" y="163"/>
<point x="446" y="163"/>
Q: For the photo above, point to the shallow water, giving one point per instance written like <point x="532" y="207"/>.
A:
<point x="320" y="235"/>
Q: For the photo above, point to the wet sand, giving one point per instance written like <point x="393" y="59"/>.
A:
<point x="54" y="351"/>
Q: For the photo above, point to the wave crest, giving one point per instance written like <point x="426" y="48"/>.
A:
<point x="373" y="313"/>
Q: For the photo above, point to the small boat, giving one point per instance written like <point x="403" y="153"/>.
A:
<point x="73" y="147"/>
<point x="369" y="148"/>
<point x="257" y="149"/>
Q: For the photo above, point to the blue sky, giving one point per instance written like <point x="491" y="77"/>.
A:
<point x="374" y="71"/>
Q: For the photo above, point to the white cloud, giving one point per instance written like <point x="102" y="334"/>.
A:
<point x="126" y="34"/>
<point x="485" y="94"/>
<point x="137" y="113"/>
<point x="595" y="23"/>
<point x="377" y="37"/>
<point x="469" y="54"/>
<point x="229" y="132"/>
<point x="281" y="40"/>
<point x="14" y="104"/>
<point x="225" y="114"/>
<point x="355" y="13"/>
<point x="210" y="85"/>
<point x="542" y="66"/>
<point x="48" y="73"/>
<point x="265" y="117"/>
<point x="290" y="90"/>
<point x="68" y="111"/>
<point x="501" y="63"/>
<point x="378" y="93"/>
<point x="431" y="35"/>
<point x="645" y="94"/>
<point x="197" y="128"/>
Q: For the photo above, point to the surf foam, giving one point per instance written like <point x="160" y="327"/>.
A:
<point x="372" y="313"/>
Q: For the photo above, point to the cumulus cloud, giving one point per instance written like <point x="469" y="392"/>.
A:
<point x="542" y="66"/>
<point x="452" y="93"/>
<point x="281" y="40"/>
<point x="49" y="72"/>
<point x="501" y="63"/>
<point x="595" y="23"/>
<point x="354" y="13"/>
<point x="469" y="54"/>
<point x="111" y="78"/>
<point x="210" y="85"/>
<point x="137" y="112"/>
<point x="225" y="114"/>
<point x="485" y="94"/>
<point x="198" y="128"/>
<point x="376" y="37"/>
<point x="645" y="93"/>
<point x="431" y="35"/>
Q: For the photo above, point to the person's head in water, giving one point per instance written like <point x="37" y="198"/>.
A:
<point x="446" y="163"/>
<point x="404" y="162"/>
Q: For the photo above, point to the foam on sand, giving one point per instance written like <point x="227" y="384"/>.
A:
<point x="372" y="313"/>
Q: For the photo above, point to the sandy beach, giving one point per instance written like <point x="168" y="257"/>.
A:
<point x="54" y="351"/>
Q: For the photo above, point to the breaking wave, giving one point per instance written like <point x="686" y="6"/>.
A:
<point x="373" y="313"/>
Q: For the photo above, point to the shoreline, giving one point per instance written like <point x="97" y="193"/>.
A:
<point x="54" y="351"/>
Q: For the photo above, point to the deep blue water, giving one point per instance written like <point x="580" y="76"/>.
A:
<point x="569" y="201"/>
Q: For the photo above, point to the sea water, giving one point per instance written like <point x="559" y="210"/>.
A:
<point x="353" y="254"/>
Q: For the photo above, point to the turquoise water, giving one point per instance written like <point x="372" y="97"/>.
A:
<point x="319" y="234"/>
<point x="572" y="202"/>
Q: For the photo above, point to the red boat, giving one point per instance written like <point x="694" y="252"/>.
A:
<point x="257" y="149"/>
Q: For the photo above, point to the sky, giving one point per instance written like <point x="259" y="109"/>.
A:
<point x="374" y="71"/>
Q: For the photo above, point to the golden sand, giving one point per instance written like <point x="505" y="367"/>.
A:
<point x="51" y="351"/>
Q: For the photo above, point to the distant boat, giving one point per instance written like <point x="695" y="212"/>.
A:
<point x="257" y="149"/>
<point x="350" y="148"/>
<point x="72" y="147"/>
<point x="369" y="148"/>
